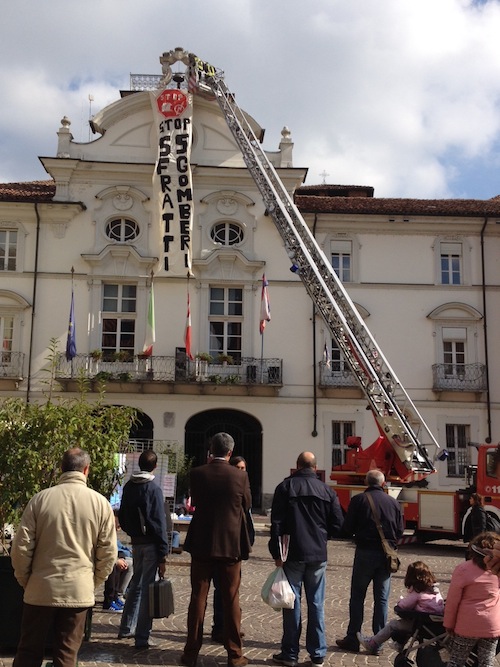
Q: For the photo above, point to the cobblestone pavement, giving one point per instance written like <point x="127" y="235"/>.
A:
<point x="261" y="624"/>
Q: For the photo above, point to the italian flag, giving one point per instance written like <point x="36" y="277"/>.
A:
<point x="150" y="326"/>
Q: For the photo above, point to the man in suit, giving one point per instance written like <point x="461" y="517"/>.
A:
<point x="217" y="540"/>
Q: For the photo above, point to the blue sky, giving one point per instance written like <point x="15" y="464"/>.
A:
<point x="403" y="95"/>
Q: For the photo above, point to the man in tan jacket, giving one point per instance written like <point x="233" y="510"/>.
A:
<point x="64" y="548"/>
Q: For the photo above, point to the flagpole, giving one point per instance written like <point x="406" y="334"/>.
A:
<point x="72" y="302"/>
<point x="262" y="357"/>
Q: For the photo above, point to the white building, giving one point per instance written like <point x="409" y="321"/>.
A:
<point x="424" y="275"/>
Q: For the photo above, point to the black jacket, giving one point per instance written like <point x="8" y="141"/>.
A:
<point x="142" y="513"/>
<point x="308" y="510"/>
<point x="360" y="523"/>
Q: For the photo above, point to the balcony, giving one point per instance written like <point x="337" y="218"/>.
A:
<point x="175" y="374"/>
<point x="338" y="380"/>
<point x="11" y="369"/>
<point x="459" y="377"/>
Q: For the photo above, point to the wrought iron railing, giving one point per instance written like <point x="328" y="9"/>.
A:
<point x="249" y="371"/>
<point x="459" y="377"/>
<point x="11" y="364"/>
<point x="331" y="376"/>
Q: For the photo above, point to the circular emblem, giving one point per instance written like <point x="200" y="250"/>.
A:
<point x="172" y="102"/>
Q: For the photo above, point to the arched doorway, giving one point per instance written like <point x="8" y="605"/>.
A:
<point x="247" y="434"/>
<point x="142" y="431"/>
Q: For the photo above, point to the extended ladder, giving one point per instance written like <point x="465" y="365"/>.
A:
<point x="388" y="399"/>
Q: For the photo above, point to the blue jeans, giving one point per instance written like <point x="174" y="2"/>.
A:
<point x="369" y="565"/>
<point x="135" y="618"/>
<point x="312" y="576"/>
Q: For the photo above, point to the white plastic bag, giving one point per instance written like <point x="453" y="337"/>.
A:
<point x="277" y="592"/>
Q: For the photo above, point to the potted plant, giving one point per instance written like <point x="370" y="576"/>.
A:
<point x="224" y="359"/>
<point x="202" y="361"/>
<point x="121" y="355"/>
<point x="96" y="355"/>
<point x="95" y="358"/>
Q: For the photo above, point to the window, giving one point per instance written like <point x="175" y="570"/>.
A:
<point x="226" y="233"/>
<point x="6" y="334"/>
<point x="118" y="321"/>
<point x="454" y="347"/>
<point x="451" y="263"/>
<point x="457" y="437"/>
<point x="340" y="432"/>
<point x="342" y="259"/>
<point x="226" y="321"/>
<point x="122" y="230"/>
<point x="8" y="249"/>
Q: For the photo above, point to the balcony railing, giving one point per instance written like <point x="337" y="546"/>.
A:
<point x="336" y="377"/>
<point x="250" y="371"/>
<point x="11" y="365"/>
<point x="459" y="377"/>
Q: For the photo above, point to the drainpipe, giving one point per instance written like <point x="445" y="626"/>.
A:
<point x="33" y="305"/>
<point x="314" y="432"/>
<point x="485" y="325"/>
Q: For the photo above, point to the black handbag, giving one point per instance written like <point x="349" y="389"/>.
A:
<point x="161" y="599"/>
<point x="392" y="558"/>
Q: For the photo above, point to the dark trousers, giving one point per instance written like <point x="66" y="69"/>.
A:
<point x="229" y="577"/>
<point x="69" y="626"/>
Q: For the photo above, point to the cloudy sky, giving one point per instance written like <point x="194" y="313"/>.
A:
<point x="403" y="95"/>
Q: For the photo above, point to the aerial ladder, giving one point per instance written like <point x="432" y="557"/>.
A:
<point x="399" y="440"/>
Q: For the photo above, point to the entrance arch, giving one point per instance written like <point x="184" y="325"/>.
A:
<point x="247" y="434"/>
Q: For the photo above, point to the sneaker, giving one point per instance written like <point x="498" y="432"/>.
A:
<point x="126" y="635"/>
<point x="147" y="644"/>
<point x="318" y="662"/>
<point x="114" y="607"/>
<point x="119" y="603"/>
<point x="281" y="659"/>
<point x="368" y="644"/>
<point x="348" y="644"/>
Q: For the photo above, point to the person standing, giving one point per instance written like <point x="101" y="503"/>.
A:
<point x="472" y="611"/>
<point x="142" y="517"/>
<point x="63" y="549"/>
<point x="217" y="540"/>
<point x="370" y="563"/>
<point x="307" y="510"/>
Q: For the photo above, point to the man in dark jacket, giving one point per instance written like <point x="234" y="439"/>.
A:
<point x="307" y="510"/>
<point x="142" y="517"/>
<point x="217" y="540"/>
<point x="370" y="563"/>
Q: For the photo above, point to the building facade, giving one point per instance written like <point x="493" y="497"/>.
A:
<point x="423" y="274"/>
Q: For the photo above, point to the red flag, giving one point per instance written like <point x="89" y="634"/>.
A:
<point x="187" y="333"/>
<point x="265" y="307"/>
<point x="150" y="326"/>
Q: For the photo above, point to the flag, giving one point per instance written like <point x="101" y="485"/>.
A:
<point x="192" y="79"/>
<point x="265" y="308"/>
<point x="187" y="333"/>
<point x="150" y="326"/>
<point x="71" y="339"/>
<point x="326" y="356"/>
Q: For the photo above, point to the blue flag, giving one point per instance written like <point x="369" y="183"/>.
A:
<point x="71" y="340"/>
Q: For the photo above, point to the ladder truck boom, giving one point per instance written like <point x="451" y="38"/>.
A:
<point x="386" y="396"/>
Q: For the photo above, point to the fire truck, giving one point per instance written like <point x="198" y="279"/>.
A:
<point x="399" y="451"/>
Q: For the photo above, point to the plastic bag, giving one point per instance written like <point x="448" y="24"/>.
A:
<point x="277" y="592"/>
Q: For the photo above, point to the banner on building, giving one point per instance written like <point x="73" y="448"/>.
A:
<point x="172" y="180"/>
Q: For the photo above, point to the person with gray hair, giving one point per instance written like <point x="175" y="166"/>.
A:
<point x="370" y="562"/>
<point x="63" y="549"/>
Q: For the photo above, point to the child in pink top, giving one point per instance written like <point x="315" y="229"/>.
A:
<point x="423" y="595"/>
<point x="472" y="612"/>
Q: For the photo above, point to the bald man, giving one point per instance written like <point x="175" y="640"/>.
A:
<point x="307" y="510"/>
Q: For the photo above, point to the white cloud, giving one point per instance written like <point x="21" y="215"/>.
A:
<point x="379" y="93"/>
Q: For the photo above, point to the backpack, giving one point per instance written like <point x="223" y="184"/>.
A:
<point x="492" y="522"/>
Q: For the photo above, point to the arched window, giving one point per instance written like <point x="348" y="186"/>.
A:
<point x="122" y="230"/>
<point x="226" y="233"/>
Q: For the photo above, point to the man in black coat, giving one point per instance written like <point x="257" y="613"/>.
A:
<point x="308" y="511"/>
<point x="370" y="562"/>
<point x="217" y="540"/>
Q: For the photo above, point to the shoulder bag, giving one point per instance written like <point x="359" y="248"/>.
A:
<point x="393" y="562"/>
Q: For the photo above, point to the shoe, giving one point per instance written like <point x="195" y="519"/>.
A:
<point x="119" y="603"/>
<point x="348" y="644"/>
<point x="319" y="662"/>
<point x="188" y="662"/>
<point x="106" y="605"/>
<point x="281" y="659"/>
<point x="368" y="644"/>
<point x="114" y="607"/>
<point x="126" y="635"/>
<point x="217" y="637"/>
<point x="149" y="644"/>
<point x="238" y="662"/>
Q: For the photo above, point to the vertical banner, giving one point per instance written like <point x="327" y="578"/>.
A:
<point x="172" y="180"/>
